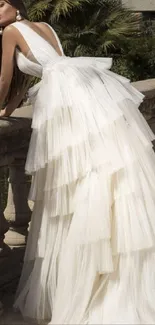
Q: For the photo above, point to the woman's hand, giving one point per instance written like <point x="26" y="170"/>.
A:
<point x="2" y="113"/>
<point x="16" y="100"/>
<point x="6" y="112"/>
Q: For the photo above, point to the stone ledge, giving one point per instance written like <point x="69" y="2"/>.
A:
<point x="147" y="87"/>
<point x="15" y="132"/>
<point x="20" y="119"/>
<point x="139" y="5"/>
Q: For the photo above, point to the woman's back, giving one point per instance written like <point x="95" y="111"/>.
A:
<point x="36" y="51"/>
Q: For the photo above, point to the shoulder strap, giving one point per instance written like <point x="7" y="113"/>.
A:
<point x="35" y="42"/>
<point x="56" y="37"/>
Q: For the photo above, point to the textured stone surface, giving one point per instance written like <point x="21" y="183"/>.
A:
<point x="147" y="87"/>
<point x="140" y="5"/>
<point x="20" y="119"/>
<point x="10" y="317"/>
<point x="15" y="133"/>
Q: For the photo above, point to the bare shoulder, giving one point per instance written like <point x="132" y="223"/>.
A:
<point x="49" y="33"/>
<point x="45" y="27"/>
<point x="41" y="24"/>
<point x="10" y="30"/>
<point x="10" y="33"/>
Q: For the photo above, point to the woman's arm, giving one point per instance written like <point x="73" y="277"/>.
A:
<point x="7" y="65"/>
<point x="15" y="101"/>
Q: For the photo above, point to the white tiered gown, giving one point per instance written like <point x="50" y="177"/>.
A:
<point x="90" y="256"/>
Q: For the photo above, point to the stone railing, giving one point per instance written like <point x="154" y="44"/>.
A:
<point x="147" y="87"/>
<point x="14" y="139"/>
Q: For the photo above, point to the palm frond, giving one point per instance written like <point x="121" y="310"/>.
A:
<point x="65" y="7"/>
<point x="98" y="28"/>
<point x="38" y="10"/>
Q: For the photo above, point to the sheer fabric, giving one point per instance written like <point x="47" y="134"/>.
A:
<point x="91" y="248"/>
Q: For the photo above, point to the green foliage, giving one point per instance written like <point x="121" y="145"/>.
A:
<point x="98" y="33"/>
<point x="101" y="28"/>
<point x="37" y="10"/>
<point x="138" y="61"/>
<point x="66" y="7"/>
<point x="87" y="27"/>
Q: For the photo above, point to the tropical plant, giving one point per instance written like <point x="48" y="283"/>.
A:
<point x="100" y="28"/>
<point x="87" y="27"/>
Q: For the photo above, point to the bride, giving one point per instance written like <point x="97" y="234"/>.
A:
<point x="90" y="256"/>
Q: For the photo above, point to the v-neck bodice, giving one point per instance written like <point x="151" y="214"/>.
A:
<point x="40" y="51"/>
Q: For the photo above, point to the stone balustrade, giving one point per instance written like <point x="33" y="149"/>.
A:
<point x="15" y="134"/>
<point x="140" y="5"/>
<point x="14" y="140"/>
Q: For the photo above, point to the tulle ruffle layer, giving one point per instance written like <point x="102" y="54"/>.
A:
<point x="68" y="85"/>
<point x="86" y="113"/>
<point x="89" y="153"/>
<point x="91" y="247"/>
<point x="125" y="296"/>
<point x="71" y="286"/>
<point x="118" y="209"/>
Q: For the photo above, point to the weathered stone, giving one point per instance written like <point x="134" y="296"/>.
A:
<point x="15" y="134"/>
<point x="17" y="212"/>
<point x="140" y="5"/>
<point x="4" y="227"/>
<point x="147" y="87"/>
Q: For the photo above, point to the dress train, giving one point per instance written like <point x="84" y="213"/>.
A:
<point x="91" y="249"/>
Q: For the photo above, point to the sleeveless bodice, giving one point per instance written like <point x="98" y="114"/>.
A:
<point x="40" y="51"/>
<point x="27" y="66"/>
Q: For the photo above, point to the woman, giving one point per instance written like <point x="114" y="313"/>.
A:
<point x="91" y="249"/>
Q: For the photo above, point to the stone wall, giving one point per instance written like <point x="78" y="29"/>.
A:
<point x="14" y="219"/>
<point x="147" y="87"/>
<point x="140" y="5"/>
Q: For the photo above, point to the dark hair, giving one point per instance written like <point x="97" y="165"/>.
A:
<point x="19" y="5"/>
<point x="19" y="79"/>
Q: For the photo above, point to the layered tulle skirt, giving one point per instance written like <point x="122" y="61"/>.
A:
<point x="90" y="256"/>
